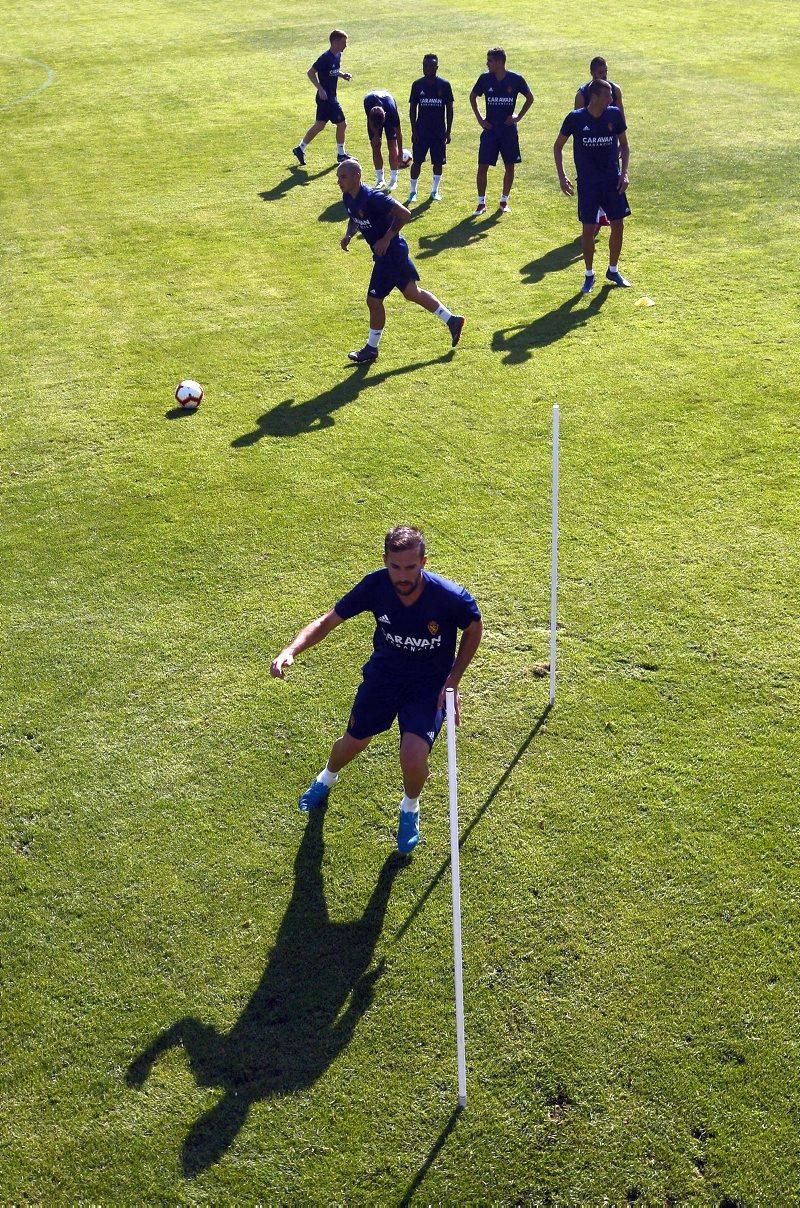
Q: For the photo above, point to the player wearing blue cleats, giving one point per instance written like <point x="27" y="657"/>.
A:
<point x="417" y="654"/>
<point x="617" y="278"/>
<point x="315" y="796"/>
<point x="588" y="283"/>
<point x="408" y="831"/>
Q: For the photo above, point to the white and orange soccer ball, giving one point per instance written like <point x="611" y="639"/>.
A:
<point x="189" y="394"/>
<point x="406" y="158"/>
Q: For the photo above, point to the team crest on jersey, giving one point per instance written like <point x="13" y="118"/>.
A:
<point x="611" y="125"/>
<point x="433" y="628"/>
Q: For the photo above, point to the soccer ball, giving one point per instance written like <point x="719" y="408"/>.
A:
<point x="189" y="394"/>
<point x="406" y="158"/>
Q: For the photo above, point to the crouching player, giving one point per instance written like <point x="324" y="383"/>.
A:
<point x="379" y="218"/>
<point x="417" y="617"/>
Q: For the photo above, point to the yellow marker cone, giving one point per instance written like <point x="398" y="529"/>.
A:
<point x="645" y="302"/>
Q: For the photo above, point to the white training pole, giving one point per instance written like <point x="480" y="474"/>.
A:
<point x="452" y="777"/>
<point x="554" y="560"/>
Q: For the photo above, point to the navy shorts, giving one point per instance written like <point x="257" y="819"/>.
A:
<point x="329" y="111"/>
<point x="377" y="705"/>
<point x="601" y="194"/>
<point x="499" y="140"/>
<point x="392" y="271"/>
<point x="435" y="145"/>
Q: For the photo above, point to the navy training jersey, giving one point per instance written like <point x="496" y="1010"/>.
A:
<point x="414" y="642"/>
<point x="501" y="95"/>
<point x="615" y="88"/>
<point x="372" y="211"/>
<point x="386" y="102"/>
<point x="431" y="96"/>
<point x="327" y="68"/>
<point x="595" y="140"/>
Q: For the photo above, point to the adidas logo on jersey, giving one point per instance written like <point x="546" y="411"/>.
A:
<point x="384" y="620"/>
<point x="431" y="735"/>
<point x="586" y="127"/>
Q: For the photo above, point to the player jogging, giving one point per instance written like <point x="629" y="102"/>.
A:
<point x="499" y="127"/>
<point x="379" y="218"/>
<point x="325" y="74"/>
<point x="601" y="151"/>
<point x="413" y="663"/>
<point x="383" y="118"/>
<point x="431" y="116"/>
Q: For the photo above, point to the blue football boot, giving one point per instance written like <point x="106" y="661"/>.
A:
<point x="315" y="796"/>
<point x="588" y="283"/>
<point x="407" y="832"/>
<point x="618" y="279"/>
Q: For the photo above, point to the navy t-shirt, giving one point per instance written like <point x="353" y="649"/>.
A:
<point x="386" y="102"/>
<point x="501" y="95"/>
<point x="595" y="140"/>
<point x="584" y="90"/>
<point x="412" y="643"/>
<point x="327" y="69"/>
<point x="372" y="211"/>
<point x="431" y="97"/>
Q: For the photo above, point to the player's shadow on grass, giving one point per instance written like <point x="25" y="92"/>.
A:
<point x="445" y="864"/>
<point x="517" y="343"/>
<point x="291" y="419"/>
<point x="316" y="986"/>
<point x="297" y="176"/>
<point x="554" y="261"/>
<point x="465" y="233"/>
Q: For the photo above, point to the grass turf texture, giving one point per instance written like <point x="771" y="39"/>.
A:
<point x="630" y="872"/>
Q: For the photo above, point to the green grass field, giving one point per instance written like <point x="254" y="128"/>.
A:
<point x="205" y="999"/>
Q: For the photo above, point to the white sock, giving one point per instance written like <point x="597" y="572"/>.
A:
<point x="327" y="778"/>
<point x="503" y="197"/>
<point x="393" y="176"/>
<point x="443" y="313"/>
<point x="590" y="272"/>
<point x="412" y="192"/>
<point x="437" y="180"/>
<point x="378" y="176"/>
<point x="340" y="148"/>
<point x="409" y="805"/>
<point x="612" y="268"/>
<point x="482" y="200"/>
<point x="303" y="144"/>
<point x="374" y="337"/>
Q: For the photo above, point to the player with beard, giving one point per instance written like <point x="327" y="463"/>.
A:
<point x="431" y="114"/>
<point x="414" y="661"/>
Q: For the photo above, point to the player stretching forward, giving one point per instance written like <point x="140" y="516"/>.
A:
<point x="383" y="117"/>
<point x="599" y="143"/>
<point x="413" y="663"/>
<point x="431" y="115"/>
<point x="325" y="75"/>
<point x="500" y="136"/>
<point x="379" y="218"/>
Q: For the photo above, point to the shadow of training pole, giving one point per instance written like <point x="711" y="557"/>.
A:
<point x="452" y="778"/>
<point x="554" y="559"/>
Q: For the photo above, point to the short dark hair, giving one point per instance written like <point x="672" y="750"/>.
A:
<point x="403" y="537"/>
<point x="337" y="33"/>
<point x="597" y="61"/>
<point x="598" y="86"/>
<point x="430" y="58"/>
<point x="378" y="115"/>
<point x="496" y="52"/>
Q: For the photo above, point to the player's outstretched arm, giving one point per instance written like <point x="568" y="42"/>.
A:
<point x="313" y="633"/>
<point x="470" y="641"/>
<point x="558" y="156"/>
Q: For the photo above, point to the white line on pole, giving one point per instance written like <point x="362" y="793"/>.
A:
<point x="554" y="560"/>
<point x="452" y="778"/>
